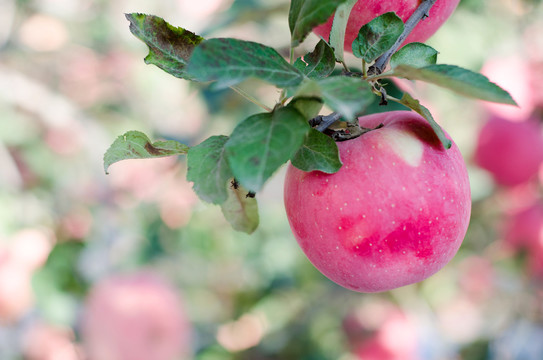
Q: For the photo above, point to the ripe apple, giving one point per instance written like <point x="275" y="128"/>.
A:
<point x="135" y="317"/>
<point x="511" y="151"/>
<point x="366" y="10"/>
<point x="394" y="214"/>
<point x="523" y="232"/>
<point x="524" y="227"/>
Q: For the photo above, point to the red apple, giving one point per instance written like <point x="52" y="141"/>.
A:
<point x="395" y="213"/>
<point x="366" y="10"/>
<point x="524" y="227"/>
<point x="523" y="232"/>
<point x="511" y="151"/>
<point x="135" y="317"/>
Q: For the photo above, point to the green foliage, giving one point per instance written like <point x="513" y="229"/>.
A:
<point x="240" y="209"/>
<point x="319" y="63"/>
<point x="136" y="145"/>
<point x="57" y="286"/>
<point x="169" y="47"/>
<point x="309" y="107"/>
<point x="208" y="169"/>
<point x="304" y="15"/>
<point x="337" y="33"/>
<point x="262" y="143"/>
<point x="346" y="95"/>
<point x="414" y="54"/>
<point x="318" y="152"/>
<point x="377" y="36"/>
<point x="231" y="61"/>
<point x="415" y="105"/>
<point x="462" y="81"/>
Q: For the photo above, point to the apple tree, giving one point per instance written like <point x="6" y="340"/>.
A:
<point x="376" y="202"/>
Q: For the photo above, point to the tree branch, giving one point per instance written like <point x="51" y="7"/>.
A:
<point x="323" y="122"/>
<point x="420" y="14"/>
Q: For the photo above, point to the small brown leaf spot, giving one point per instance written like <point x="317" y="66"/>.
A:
<point x="153" y="150"/>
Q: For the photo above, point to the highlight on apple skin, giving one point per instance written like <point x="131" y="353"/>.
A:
<point x="366" y="10"/>
<point x="395" y="213"/>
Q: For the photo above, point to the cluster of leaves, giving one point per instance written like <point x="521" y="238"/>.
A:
<point x="228" y="170"/>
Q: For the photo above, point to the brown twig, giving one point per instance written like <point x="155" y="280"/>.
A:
<point x="419" y="14"/>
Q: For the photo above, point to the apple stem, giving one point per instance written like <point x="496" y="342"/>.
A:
<point x="420" y="13"/>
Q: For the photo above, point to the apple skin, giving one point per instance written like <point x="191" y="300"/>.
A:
<point x="366" y="10"/>
<point x="511" y="151"/>
<point x="394" y="214"/>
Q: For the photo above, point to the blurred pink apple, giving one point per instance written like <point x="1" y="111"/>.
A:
<point x="524" y="227"/>
<point x="511" y="151"/>
<point x="396" y="339"/>
<point x="28" y="249"/>
<point x="366" y="10"/>
<point x="523" y="232"/>
<point x="514" y="75"/>
<point x="135" y="317"/>
<point x="46" y="342"/>
<point x="395" y="213"/>
<point x="16" y="296"/>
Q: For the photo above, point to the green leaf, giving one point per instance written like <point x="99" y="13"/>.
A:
<point x="415" y="105"/>
<point x="304" y="15"/>
<point x="169" y="47"/>
<point x="260" y="144"/>
<point x="415" y="55"/>
<point x="308" y="88"/>
<point x="136" y="145"/>
<point x="377" y="36"/>
<point x="240" y="209"/>
<point x="337" y="33"/>
<point x="318" y="152"/>
<point x="309" y="107"/>
<point x="462" y="81"/>
<point x="319" y="63"/>
<point x="231" y="61"/>
<point x="346" y="95"/>
<point x="209" y="170"/>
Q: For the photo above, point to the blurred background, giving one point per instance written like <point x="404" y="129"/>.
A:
<point x="133" y="266"/>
